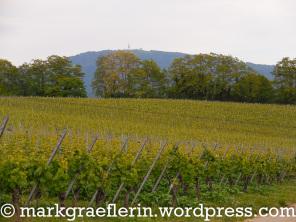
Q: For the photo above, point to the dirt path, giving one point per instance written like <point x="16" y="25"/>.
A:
<point x="273" y="219"/>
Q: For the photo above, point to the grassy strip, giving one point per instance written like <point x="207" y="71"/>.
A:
<point x="267" y="196"/>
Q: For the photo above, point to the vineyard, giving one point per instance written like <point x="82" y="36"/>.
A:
<point x="153" y="152"/>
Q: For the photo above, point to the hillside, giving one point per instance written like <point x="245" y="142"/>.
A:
<point x="265" y="70"/>
<point x="242" y="154"/>
<point x="164" y="59"/>
<point x="228" y="123"/>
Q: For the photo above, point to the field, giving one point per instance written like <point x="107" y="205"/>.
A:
<point x="225" y="123"/>
<point x="209" y="152"/>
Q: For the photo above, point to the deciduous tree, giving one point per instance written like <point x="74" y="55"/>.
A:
<point x="285" y="80"/>
<point x="9" y="78"/>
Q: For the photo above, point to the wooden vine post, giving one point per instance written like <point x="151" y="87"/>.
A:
<point x="3" y="125"/>
<point x="99" y="189"/>
<point x="161" y="149"/>
<point x="138" y="155"/>
<point x="164" y="170"/>
<point x="53" y="154"/>
<point x="73" y="181"/>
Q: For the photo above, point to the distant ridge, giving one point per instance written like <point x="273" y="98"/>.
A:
<point x="87" y="60"/>
<point x="265" y="70"/>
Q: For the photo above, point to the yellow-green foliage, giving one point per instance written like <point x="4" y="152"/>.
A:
<point x="270" y="126"/>
<point x="220" y="143"/>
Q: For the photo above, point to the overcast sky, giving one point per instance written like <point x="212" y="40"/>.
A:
<point x="260" y="31"/>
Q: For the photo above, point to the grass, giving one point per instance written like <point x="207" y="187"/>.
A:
<point x="278" y="195"/>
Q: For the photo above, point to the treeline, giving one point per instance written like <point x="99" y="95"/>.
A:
<point x="55" y="77"/>
<point x="202" y="77"/>
<point x="122" y="74"/>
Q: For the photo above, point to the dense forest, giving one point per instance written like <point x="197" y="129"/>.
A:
<point x="122" y="74"/>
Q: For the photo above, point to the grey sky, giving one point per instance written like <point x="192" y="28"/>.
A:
<point x="260" y="31"/>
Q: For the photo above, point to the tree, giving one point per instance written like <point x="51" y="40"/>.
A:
<point x="123" y="74"/>
<point x="9" y="79"/>
<point x="55" y="76"/>
<point x="34" y="78"/>
<point x="66" y="87"/>
<point x="206" y="76"/>
<point x="152" y="83"/>
<point x="285" y="80"/>
<point x="226" y="71"/>
<point x="114" y="74"/>
<point x="190" y="77"/>
<point x="253" y="88"/>
<point x="65" y="79"/>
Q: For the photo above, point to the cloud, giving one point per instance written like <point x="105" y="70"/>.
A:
<point x="258" y="31"/>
